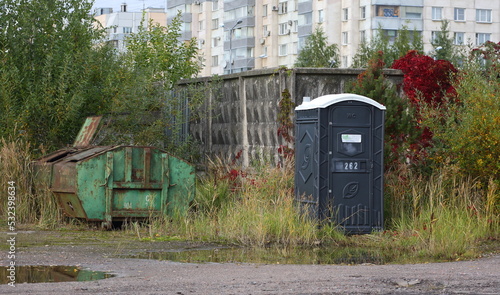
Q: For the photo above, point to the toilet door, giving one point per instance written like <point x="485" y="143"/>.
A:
<point x="350" y="146"/>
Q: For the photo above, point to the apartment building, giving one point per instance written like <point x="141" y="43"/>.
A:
<point x="240" y="35"/>
<point x="119" y="24"/>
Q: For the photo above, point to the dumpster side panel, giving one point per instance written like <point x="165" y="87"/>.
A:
<point x="63" y="177"/>
<point x="130" y="202"/>
<point x="136" y="182"/>
<point x="91" y="186"/>
<point x="63" y="186"/>
<point x="181" y="177"/>
<point x="70" y="204"/>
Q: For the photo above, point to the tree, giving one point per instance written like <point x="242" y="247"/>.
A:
<point x="426" y="80"/>
<point x="443" y="44"/>
<point x="487" y="56"/>
<point x="147" y="108"/>
<point x="51" y="73"/>
<point x="159" y="51"/>
<point x="405" y="41"/>
<point x="429" y="85"/>
<point x="317" y="53"/>
<point x="467" y="133"/>
<point x="400" y="122"/>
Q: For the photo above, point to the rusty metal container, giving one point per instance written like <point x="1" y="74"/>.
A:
<point x="113" y="183"/>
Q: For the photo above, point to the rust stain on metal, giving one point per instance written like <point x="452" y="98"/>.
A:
<point x="147" y="166"/>
<point x="87" y="131"/>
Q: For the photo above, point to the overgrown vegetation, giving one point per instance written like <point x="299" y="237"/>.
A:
<point x="148" y="111"/>
<point x="442" y="178"/>
<point x="34" y="204"/>
<point x="400" y="120"/>
<point x="51" y="74"/>
<point x="405" y="40"/>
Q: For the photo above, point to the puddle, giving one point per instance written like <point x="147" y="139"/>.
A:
<point x="50" y="274"/>
<point x="268" y="256"/>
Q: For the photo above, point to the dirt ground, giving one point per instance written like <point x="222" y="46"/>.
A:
<point x="147" y="276"/>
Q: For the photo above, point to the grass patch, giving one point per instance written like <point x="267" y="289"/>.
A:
<point x="249" y="209"/>
<point x="440" y="217"/>
<point x="444" y="216"/>
<point x="33" y="201"/>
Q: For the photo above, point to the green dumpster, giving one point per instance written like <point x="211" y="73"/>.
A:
<point x="114" y="183"/>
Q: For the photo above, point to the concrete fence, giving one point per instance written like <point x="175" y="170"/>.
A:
<point x="241" y="115"/>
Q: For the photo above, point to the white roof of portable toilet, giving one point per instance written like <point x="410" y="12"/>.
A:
<point x="327" y="100"/>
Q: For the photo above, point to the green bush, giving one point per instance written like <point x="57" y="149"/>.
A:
<point x="468" y="133"/>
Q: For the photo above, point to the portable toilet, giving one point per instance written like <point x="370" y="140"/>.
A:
<point x="339" y="161"/>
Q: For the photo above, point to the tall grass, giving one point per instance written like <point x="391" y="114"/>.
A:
<point x="34" y="202"/>
<point x="249" y="208"/>
<point x="441" y="216"/>
<point x="445" y="215"/>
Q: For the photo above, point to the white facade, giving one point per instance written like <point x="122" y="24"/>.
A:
<point x="120" y="24"/>
<point x="270" y="33"/>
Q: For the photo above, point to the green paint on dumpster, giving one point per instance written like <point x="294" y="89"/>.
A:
<point x="112" y="183"/>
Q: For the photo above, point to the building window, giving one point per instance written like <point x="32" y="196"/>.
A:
<point x="413" y="12"/>
<point x="240" y="12"/>
<point x="345" y="38"/>
<point x="459" y="14"/>
<point x="283" y="27"/>
<point x="264" y="51"/>
<point x="321" y="16"/>
<point x="295" y="48"/>
<point x="201" y="25"/>
<point x="215" y="61"/>
<point x="305" y="19"/>
<point x="434" y="36"/>
<point x="388" y="11"/>
<point x="391" y="35"/>
<point x="345" y="61"/>
<point x="215" y="5"/>
<point x="114" y="43"/>
<point x="283" y="7"/>
<point x="264" y="10"/>
<point x="282" y="50"/>
<point x="215" y="23"/>
<point x="362" y="36"/>
<point x="127" y="30"/>
<point x="437" y="13"/>
<point x="238" y="33"/>
<point x="302" y="42"/>
<point x="483" y="15"/>
<point x="362" y="12"/>
<point x="215" y="41"/>
<point x="482" y="37"/>
<point x="345" y="14"/>
<point x="458" y="38"/>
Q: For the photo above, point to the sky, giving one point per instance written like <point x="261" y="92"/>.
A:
<point x="132" y="5"/>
